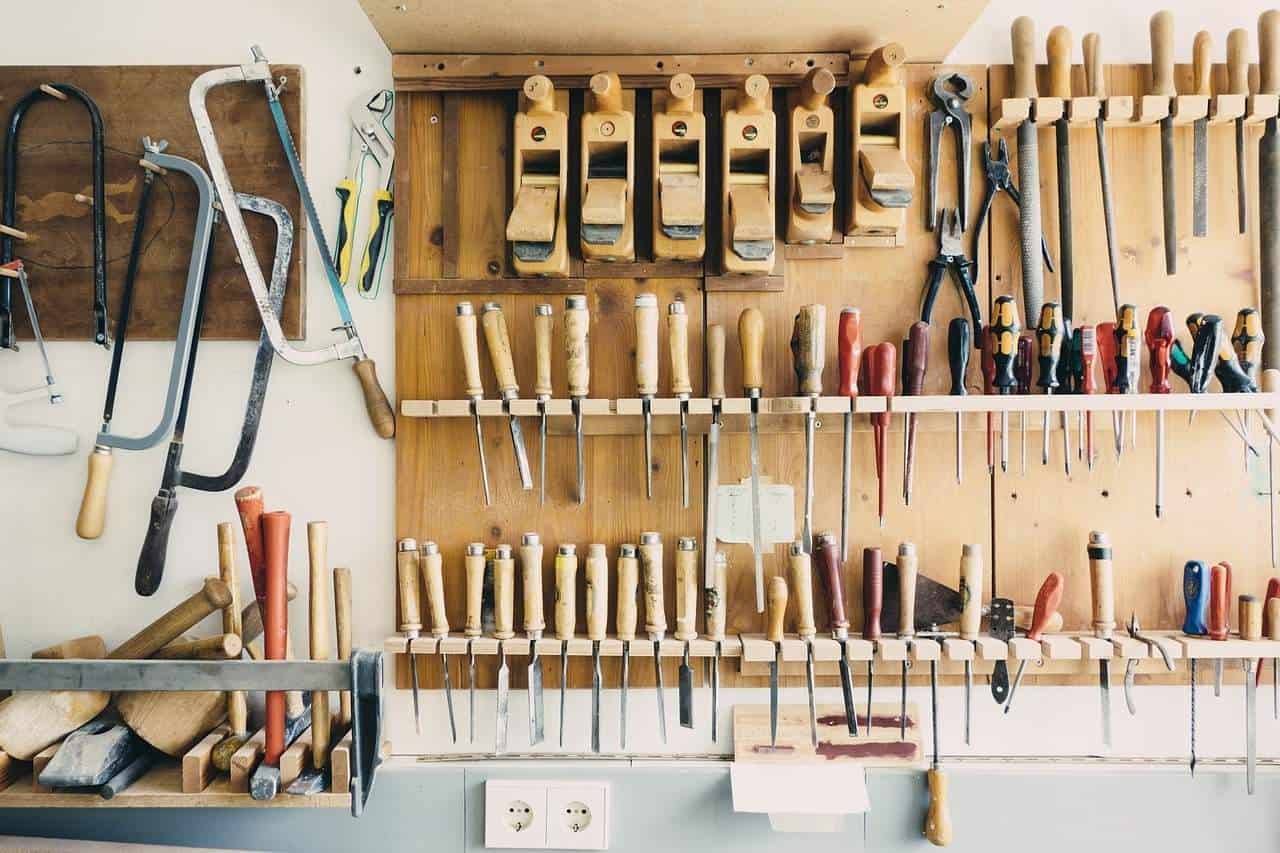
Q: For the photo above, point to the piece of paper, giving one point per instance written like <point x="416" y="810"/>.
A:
<point x="801" y="798"/>
<point x="777" y="513"/>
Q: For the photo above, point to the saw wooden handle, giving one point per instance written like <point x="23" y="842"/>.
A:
<point x="1102" y="585"/>
<point x="342" y="629"/>
<point x="908" y="571"/>
<point x="542" y="332"/>
<point x="678" y="343"/>
<point x="800" y="568"/>
<point x="577" y="345"/>
<point x="715" y="362"/>
<point x="751" y="342"/>
<point x="775" y="608"/>
<point x="628" y="584"/>
<point x="651" y="569"/>
<point x="1058" y="50"/>
<point x="937" y="825"/>
<point x="473" y="567"/>
<point x="1024" y="57"/>
<point x="249" y="505"/>
<point x="1202" y="64"/>
<point x="212" y="597"/>
<point x="468" y="338"/>
<point x="1095" y="81"/>
<point x="376" y="404"/>
<point x="596" y="575"/>
<point x="498" y="343"/>
<point x="713" y="600"/>
<point x="504" y="593"/>
<point x="646" y="320"/>
<point x="431" y="565"/>
<point x="809" y="348"/>
<point x="531" y="581"/>
<point x="970" y="591"/>
<point x="1269" y="52"/>
<point x="275" y="622"/>
<point x="1238" y="61"/>
<point x="566" y="611"/>
<point x="686" y="589"/>
<point x="407" y="584"/>
<point x="1162" y="55"/>
<point x="93" y="506"/>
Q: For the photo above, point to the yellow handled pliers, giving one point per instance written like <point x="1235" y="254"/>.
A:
<point x="372" y="140"/>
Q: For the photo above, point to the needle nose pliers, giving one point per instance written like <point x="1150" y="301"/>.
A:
<point x="951" y="257"/>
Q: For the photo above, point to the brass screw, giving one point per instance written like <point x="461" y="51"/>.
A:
<point x="679" y="128"/>
<point x="750" y="132"/>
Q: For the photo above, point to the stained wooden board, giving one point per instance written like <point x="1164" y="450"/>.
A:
<point x="54" y="164"/>
<point x="880" y="748"/>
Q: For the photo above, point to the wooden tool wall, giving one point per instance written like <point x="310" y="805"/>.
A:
<point x="54" y="164"/>
<point x="452" y="197"/>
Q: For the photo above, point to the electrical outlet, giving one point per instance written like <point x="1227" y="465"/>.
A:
<point x="577" y="815"/>
<point x="515" y="814"/>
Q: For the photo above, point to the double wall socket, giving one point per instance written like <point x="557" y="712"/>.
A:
<point x="546" y="815"/>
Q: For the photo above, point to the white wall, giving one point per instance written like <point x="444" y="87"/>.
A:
<point x="317" y="456"/>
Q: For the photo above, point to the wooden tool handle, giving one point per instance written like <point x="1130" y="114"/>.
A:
<point x="1102" y="585"/>
<point x="937" y="825"/>
<point x="91" y="647"/>
<point x="1058" y="49"/>
<point x="531" y="579"/>
<point x="1238" y="62"/>
<point x="1269" y="52"/>
<point x="775" y="608"/>
<point x="678" y="343"/>
<point x="342" y="629"/>
<point x="686" y="589"/>
<point x="473" y="568"/>
<point x="1202" y="64"/>
<point x="1250" y="618"/>
<point x="469" y="339"/>
<point x="883" y="64"/>
<point x="628" y="584"/>
<point x="1219" y="601"/>
<point x="231" y="622"/>
<point x="431" y="565"/>
<point x="646" y="320"/>
<point x="917" y="358"/>
<point x="872" y="592"/>
<point x="1162" y="55"/>
<point x="606" y="92"/>
<point x="831" y="571"/>
<point x="498" y="342"/>
<point x="217" y="647"/>
<point x="801" y="573"/>
<point x="1024" y="57"/>
<point x="213" y="596"/>
<point x="651" y="568"/>
<point x="882" y="371"/>
<point x="540" y="94"/>
<point x="817" y="85"/>
<point x="376" y="404"/>
<point x="542" y="327"/>
<point x="93" y="506"/>
<point x="751" y="342"/>
<point x="908" y="571"/>
<point x="715" y="362"/>
<point x="752" y="93"/>
<point x="1271" y="616"/>
<point x="566" y="611"/>
<point x="577" y="345"/>
<point x="504" y="593"/>
<point x="713" y="600"/>
<point x="596" y="576"/>
<point x="970" y="591"/>
<point x="407" y="583"/>
<point x="849" y="350"/>
<point x="1048" y="599"/>
<point x="250" y="508"/>
<point x="275" y="621"/>
<point x="1095" y="81"/>
<point x="809" y="348"/>
<point x="318" y="565"/>
<point x="681" y="86"/>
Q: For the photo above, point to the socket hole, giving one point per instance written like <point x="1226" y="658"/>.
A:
<point x="577" y="816"/>
<point x="1106" y="494"/>
<point x="519" y="815"/>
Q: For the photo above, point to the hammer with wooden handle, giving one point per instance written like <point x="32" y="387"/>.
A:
<point x="275" y="619"/>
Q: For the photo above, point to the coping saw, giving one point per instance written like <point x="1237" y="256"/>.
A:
<point x="376" y="404"/>
<point x="372" y="138"/>
<point x="32" y="439"/>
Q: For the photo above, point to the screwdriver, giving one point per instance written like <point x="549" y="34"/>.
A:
<point x="1047" y="601"/>
<point x="916" y="364"/>
<point x="872" y="601"/>
<point x="431" y="565"/>
<point x="1247" y="339"/>
<point x="776" y="612"/>
<point x="410" y="613"/>
<point x="655" y="616"/>
<point x="1074" y="363"/>
<point x="714" y="613"/>
<point x="499" y="344"/>
<point x="681" y="386"/>
<point x="808" y="351"/>
<point x="468" y="336"/>
<point x="959" y="340"/>
<point x="881" y="367"/>
<point x="908" y="569"/>
<point x="577" y="351"/>
<point x="849" y="351"/>
<point x="473" y="567"/>
<point x="686" y="620"/>
<point x="1106" y="346"/>
<point x="988" y="388"/>
<point x="1195" y="591"/>
<point x="646" y="319"/>
<point x="751" y="345"/>
<point x="542" y="389"/>
<point x="1088" y="384"/>
<point x="628" y="584"/>
<point x="801" y="567"/>
<point x="566" y="613"/>
<point x="596" y="574"/>
<point x="1049" y="335"/>
<point x="534" y="624"/>
<point x="1159" y="340"/>
<point x="1022" y="373"/>
<point x="831" y="570"/>
<point x="1127" y="364"/>
<point x="970" y="616"/>
<point x="1004" y="336"/>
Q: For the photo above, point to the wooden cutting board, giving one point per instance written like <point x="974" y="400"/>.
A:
<point x="882" y="748"/>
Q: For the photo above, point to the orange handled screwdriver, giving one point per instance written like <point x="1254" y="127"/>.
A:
<point x="849" y="350"/>
<point x="882" y="363"/>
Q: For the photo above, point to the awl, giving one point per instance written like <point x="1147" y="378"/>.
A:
<point x="970" y="617"/>
<point x="473" y="566"/>
<point x="714" y="614"/>
<point x="908" y="570"/>
<point x="499" y="344"/>
<point x="715" y="389"/>
<point x="1250" y="629"/>
<point x="872" y="600"/>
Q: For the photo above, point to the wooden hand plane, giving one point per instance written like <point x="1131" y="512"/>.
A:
<point x="882" y="181"/>
<point x="750" y="142"/>
<point x="679" y="172"/>
<point x="536" y="226"/>
<point x="811" y="209"/>
<point x="608" y="172"/>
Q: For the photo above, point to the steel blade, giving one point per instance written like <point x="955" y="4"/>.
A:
<point x="484" y="468"/>
<point x="537" y="708"/>
<point x="624" y="679"/>
<point x="846" y="482"/>
<point x="471" y="690"/>
<point x="1191" y="667"/>
<point x="1250" y="725"/>
<point x="813" y="707"/>
<point x="413" y="678"/>
<point x="595" y="696"/>
<point x="1013" y="688"/>
<point x="648" y="450"/>
<point x="968" y="696"/>
<point x="686" y="691"/>
<point x="1129" y="669"/>
<point x="1242" y="178"/>
<point x="757" y="543"/>
<point x="810" y="422"/>
<point x="870" y="687"/>
<point x="1066" y="275"/>
<point x="684" y="454"/>
<point x="564" y="676"/>
<point x="448" y="696"/>
<point x="657" y="683"/>
<point x="846" y="692"/>
<point x="709" y="537"/>
<point x="1217" y="678"/>
<point x="715" y="692"/>
<point x="773" y="700"/>
<point x="577" y="439"/>
<point x="1104" y="684"/>
<point x="902" y="713"/>
<point x="1169" y="196"/>
<point x="1200" y="178"/>
<point x="1108" y="214"/>
<point x="504" y="685"/>
<point x="542" y="452"/>
<point x="522" y="459"/>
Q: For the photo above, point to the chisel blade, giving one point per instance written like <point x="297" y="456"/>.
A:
<point x="1217" y="678"/>
<point x="1104" y="686"/>
<point x="471" y="690"/>
<point x="658" y="689"/>
<point x="504" y="686"/>
<point x="1242" y="178"/>
<point x="413" y="679"/>
<point x="537" y="710"/>
<point x="564" y="677"/>
<point x="715" y="692"/>
<point x="846" y="481"/>
<point x="484" y="467"/>
<point x="522" y="458"/>
<point x="579" y="451"/>
<point x="773" y="700"/>
<point x="810" y="424"/>
<point x="595" y="696"/>
<point x="968" y="696"/>
<point x="1169" y="196"/>
<point x="902" y="714"/>
<point x="1250" y="725"/>
<point x="1191" y="667"/>
<point x="684" y="454"/>
<point x="648" y="450"/>
<point x="1200" y="178"/>
<point x="813" y="706"/>
<point x="757" y="536"/>
<point x="686" y="690"/>
<point x="448" y="696"/>
<point x="846" y="692"/>
<point x="542" y="452"/>
<point x="625" y="678"/>
<point x="870" y="687"/>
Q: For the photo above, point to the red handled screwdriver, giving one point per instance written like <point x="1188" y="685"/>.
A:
<point x="1106" y="341"/>
<point x="1159" y="340"/>
<point x="882" y="363"/>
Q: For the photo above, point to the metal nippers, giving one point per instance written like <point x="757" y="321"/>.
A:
<point x="949" y="94"/>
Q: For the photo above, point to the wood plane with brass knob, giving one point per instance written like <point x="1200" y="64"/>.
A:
<point x="812" y="196"/>
<point x="679" y="172"/>
<point x="750" y="136"/>
<point x="882" y="181"/>
<point x="536" y="227"/>
<point x="608" y="171"/>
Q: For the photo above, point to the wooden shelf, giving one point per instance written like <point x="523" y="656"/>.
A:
<point x="1126" y="111"/>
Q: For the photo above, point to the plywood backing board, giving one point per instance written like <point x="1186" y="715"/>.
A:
<point x="1214" y="509"/>
<point x="54" y="164"/>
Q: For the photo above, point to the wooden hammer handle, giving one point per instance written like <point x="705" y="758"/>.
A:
<point x="249" y="505"/>
<point x="275" y="622"/>
<point x="318" y="623"/>
<point x="342" y="629"/>
<point x="213" y="596"/>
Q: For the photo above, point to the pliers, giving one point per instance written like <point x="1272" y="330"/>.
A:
<point x="949" y="94"/>
<point x="1132" y="664"/>
<point x="951" y="256"/>
<point x="372" y="138"/>
<point x="1000" y="178"/>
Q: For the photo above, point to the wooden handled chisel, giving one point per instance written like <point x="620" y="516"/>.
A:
<point x="468" y="337"/>
<point x="473" y="568"/>
<point x="1102" y="587"/>
<point x="646" y="320"/>
<point x="849" y="355"/>
<point x="410" y="614"/>
<point x="543" y="324"/>
<point x="534" y="625"/>
<point x="681" y="385"/>
<point x="831" y="570"/>
<point x="802" y="581"/>
<point x="872" y="601"/>
<point x="1162" y="86"/>
<point x="908" y="570"/>
<point x="715" y="390"/>
<point x="431" y="564"/>
<point x="566" y="614"/>
<point x="628" y="585"/>
<point x="970" y="617"/>
<point x="596" y="575"/>
<point x="751" y="343"/>
<point x="714" y="614"/>
<point x="504" y="368"/>
<point x="577" y="351"/>
<point x="776" y="611"/>
<point x="686" y="620"/>
<point x="504" y="597"/>
<point x="655" y="616"/>
<point x="808" y="352"/>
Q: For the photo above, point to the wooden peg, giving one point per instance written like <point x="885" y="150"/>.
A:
<point x="812" y="193"/>
<point x="881" y="183"/>
<point x="536" y="226"/>
<point x="52" y="91"/>
<point x="748" y="183"/>
<point x="608" y="171"/>
<point x="679" y="171"/>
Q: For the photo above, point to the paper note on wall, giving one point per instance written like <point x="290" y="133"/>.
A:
<point x="777" y="512"/>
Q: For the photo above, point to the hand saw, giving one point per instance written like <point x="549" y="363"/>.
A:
<point x="372" y="139"/>
<point x="32" y="439"/>
<point x="259" y="71"/>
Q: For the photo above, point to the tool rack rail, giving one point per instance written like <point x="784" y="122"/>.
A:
<point x="1120" y="111"/>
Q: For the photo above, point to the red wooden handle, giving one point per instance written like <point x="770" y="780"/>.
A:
<point x="1047" y="601"/>
<point x="882" y="375"/>
<point x="849" y="350"/>
<point x="1106" y="340"/>
<point x="1273" y="591"/>
<point x="249" y="505"/>
<point x="275" y="620"/>
<point x="918" y="350"/>
<point x="872" y="592"/>
<point x="830" y="570"/>
<point x="1219" y="596"/>
<point x="1159" y="339"/>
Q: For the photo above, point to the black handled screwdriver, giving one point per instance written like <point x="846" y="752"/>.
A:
<point x="959" y="342"/>
<point x="1004" y="331"/>
<point x="1022" y="372"/>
